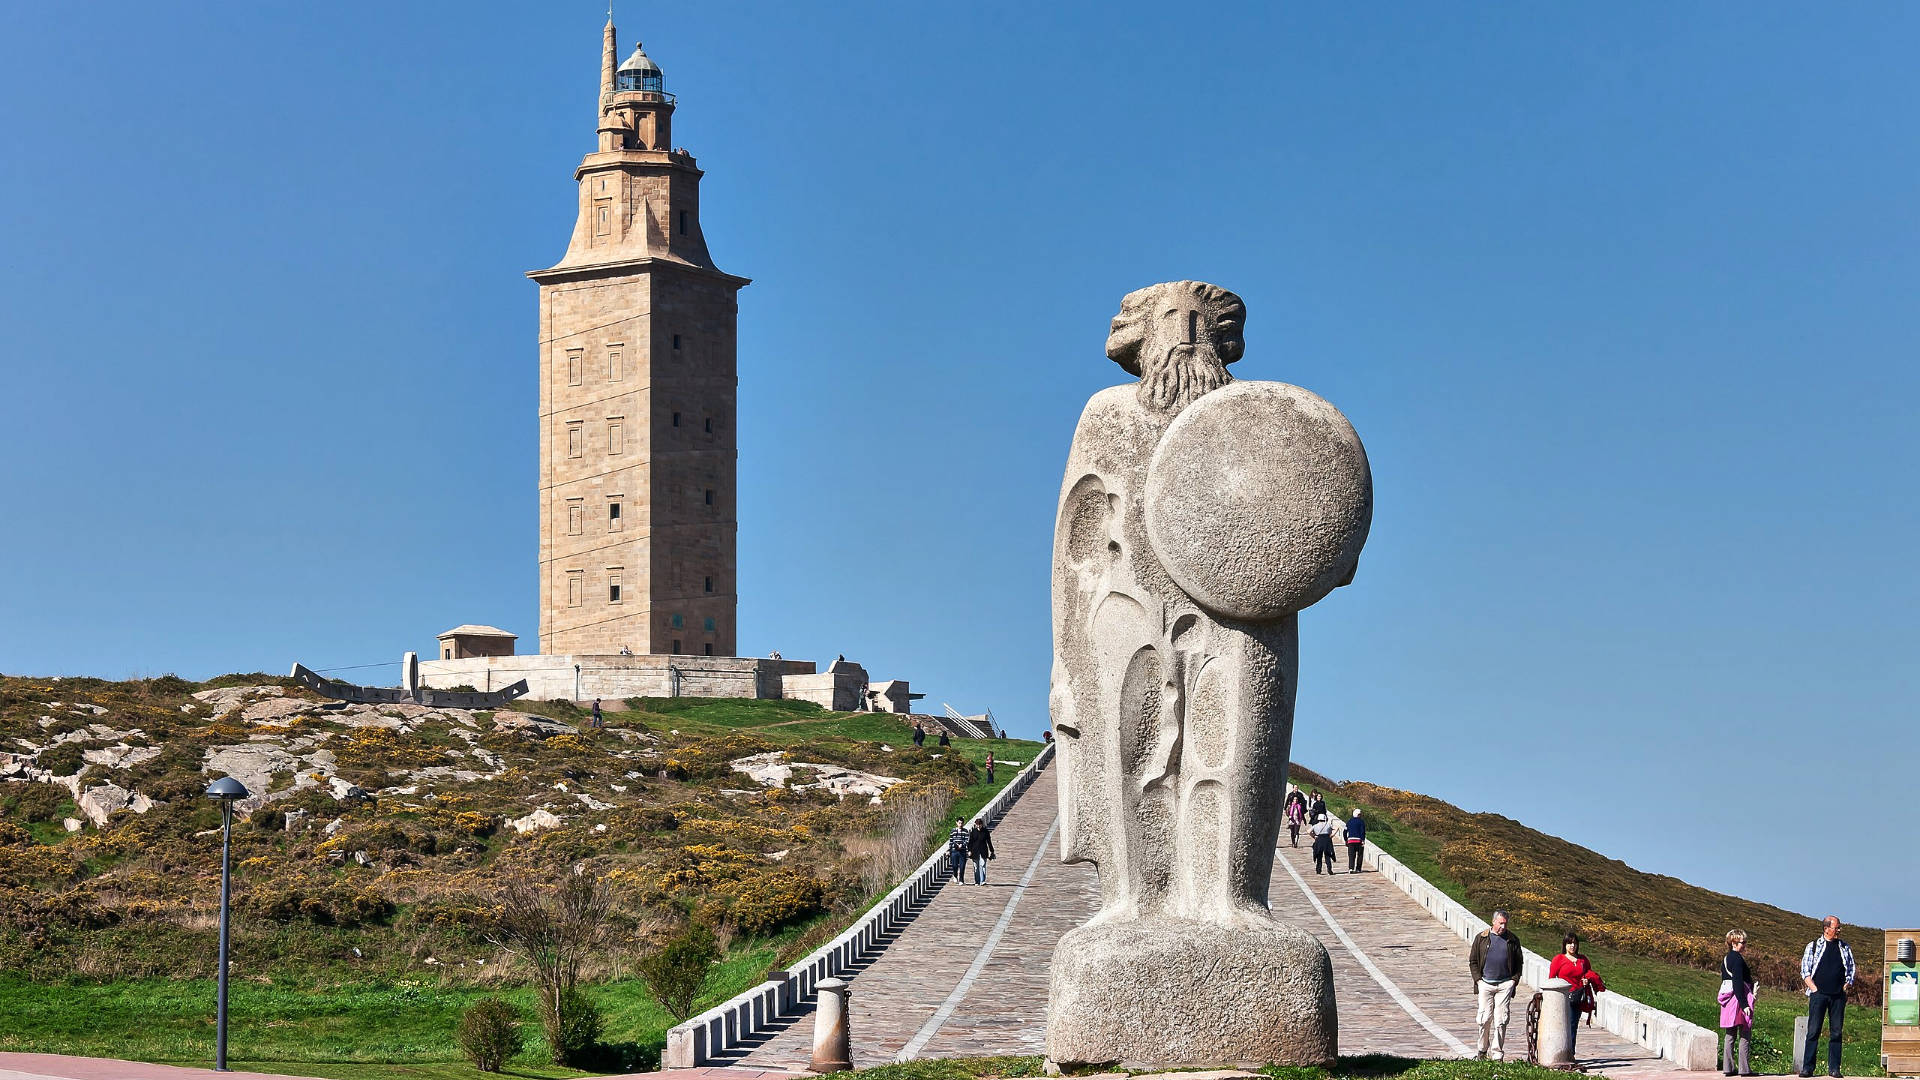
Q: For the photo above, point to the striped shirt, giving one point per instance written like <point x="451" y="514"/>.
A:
<point x="1817" y="948"/>
<point x="957" y="839"/>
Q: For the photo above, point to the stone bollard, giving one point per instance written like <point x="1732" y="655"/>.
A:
<point x="1556" y="1034"/>
<point x="832" y="1037"/>
<point x="1799" y="1043"/>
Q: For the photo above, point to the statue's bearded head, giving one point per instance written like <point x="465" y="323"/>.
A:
<point x="1178" y="337"/>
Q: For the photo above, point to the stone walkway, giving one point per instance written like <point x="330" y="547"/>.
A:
<point x="969" y="975"/>
<point x="1003" y="1008"/>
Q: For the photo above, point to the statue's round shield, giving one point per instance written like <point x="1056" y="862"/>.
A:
<point x="1258" y="500"/>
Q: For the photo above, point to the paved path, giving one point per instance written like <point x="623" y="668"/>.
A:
<point x="969" y="975"/>
<point x="1003" y="1009"/>
<point x="68" y="1067"/>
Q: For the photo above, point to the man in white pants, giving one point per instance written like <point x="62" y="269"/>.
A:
<point x="1495" y="961"/>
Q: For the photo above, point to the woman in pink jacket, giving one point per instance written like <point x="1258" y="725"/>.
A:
<point x="1736" y="1003"/>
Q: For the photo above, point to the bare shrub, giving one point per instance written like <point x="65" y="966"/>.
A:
<point x="556" y="930"/>
<point x="911" y="818"/>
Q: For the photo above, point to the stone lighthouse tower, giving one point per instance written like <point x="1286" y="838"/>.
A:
<point x="637" y="396"/>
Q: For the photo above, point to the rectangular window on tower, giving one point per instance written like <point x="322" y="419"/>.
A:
<point x="575" y="360"/>
<point x="709" y="625"/>
<point x="709" y="648"/>
<point x="683" y="223"/>
<point x="613" y="517"/>
<point x="602" y="217"/>
<point x="613" y="584"/>
<point x="709" y="584"/>
<point x="616" y="434"/>
<point x="576" y="587"/>
<point x="616" y="362"/>
<point x="576" y="439"/>
<point x="676" y="343"/>
<point x="709" y="496"/>
<point x="576" y="515"/>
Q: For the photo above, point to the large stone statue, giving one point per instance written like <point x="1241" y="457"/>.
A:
<point x="1198" y="516"/>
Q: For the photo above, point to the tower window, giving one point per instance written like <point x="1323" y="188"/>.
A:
<point x="573" y="367"/>
<point x="678" y="622"/>
<point x="613" y="517"/>
<point x="576" y="440"/>
<point x="709" y="647"/>
<point x="575" y="515"/>
<point x="683" y="223"/>
<point x="709" y="425"/>
<point x="676" y="644"/>
<point x="676" y="419"/>
<point x="676" y="341"/>
<point x="613" y="585"/>
<point x="614" y="365"/>
<point x="709" y="496"/>
<point x="709" y="584"/>
<point x="576" y="586"/>
<point x="710" y="627"/>
<point x="447" y="655"/>
<point x="616" y="435"/>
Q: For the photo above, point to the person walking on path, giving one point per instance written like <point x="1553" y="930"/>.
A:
<point x="1296" y="814"/>
<point x="1322" y="830"/>
<point x="1494" y="961"/>
<point x="989" y="766"/>
<point x="957" y="850"/>
<point x="944" y="741"/>
<point x="1316" y="806"/>
<point x="980" y="846"/>
<point x="1356" y="841"/>
<point x="1582" y="983"/>
<point x="919" y="734"/>
<point x="1826" y="967"/>
<point x="1736" y="1004"/>
<point x="598" y="720"/>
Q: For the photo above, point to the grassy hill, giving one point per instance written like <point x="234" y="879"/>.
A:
<point x="1650" y="936"/>
<point x="366" y="877"/>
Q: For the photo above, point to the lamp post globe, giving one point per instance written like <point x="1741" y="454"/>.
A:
<point x="228" y="791"/>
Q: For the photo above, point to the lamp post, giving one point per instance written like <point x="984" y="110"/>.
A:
<point x="226" y="789"/>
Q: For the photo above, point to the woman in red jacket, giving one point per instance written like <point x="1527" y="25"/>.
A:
<point x="1579" y="974"/>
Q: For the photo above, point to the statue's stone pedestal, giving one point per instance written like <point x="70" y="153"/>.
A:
<point x="1159" y="993"/>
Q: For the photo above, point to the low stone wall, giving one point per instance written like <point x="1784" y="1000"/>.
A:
<point x="727" y="1026"/>
<point x="1688" y="1046"/>
<point x="615" y="677"/>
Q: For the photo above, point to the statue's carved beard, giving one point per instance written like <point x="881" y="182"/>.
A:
<point x="1176" y="377"/>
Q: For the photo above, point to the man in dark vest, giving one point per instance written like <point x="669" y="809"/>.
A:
<point x="1826" y="967"/>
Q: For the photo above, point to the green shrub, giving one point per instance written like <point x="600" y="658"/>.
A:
<point x="33" y="802"/>
<point x="676" y="972"/>
<point x="489" y="1033"/>
<point x="62" y="760"/>
<point x="573" y="1028"/>
<point x="328" y="905"/>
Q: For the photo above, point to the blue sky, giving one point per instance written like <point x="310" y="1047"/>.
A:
<point x="1620" y="298"/>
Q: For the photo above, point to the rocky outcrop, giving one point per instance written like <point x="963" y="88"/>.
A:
<point x="773" y="769"/>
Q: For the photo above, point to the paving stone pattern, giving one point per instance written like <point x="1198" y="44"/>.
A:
<point x="896" y="995"/>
